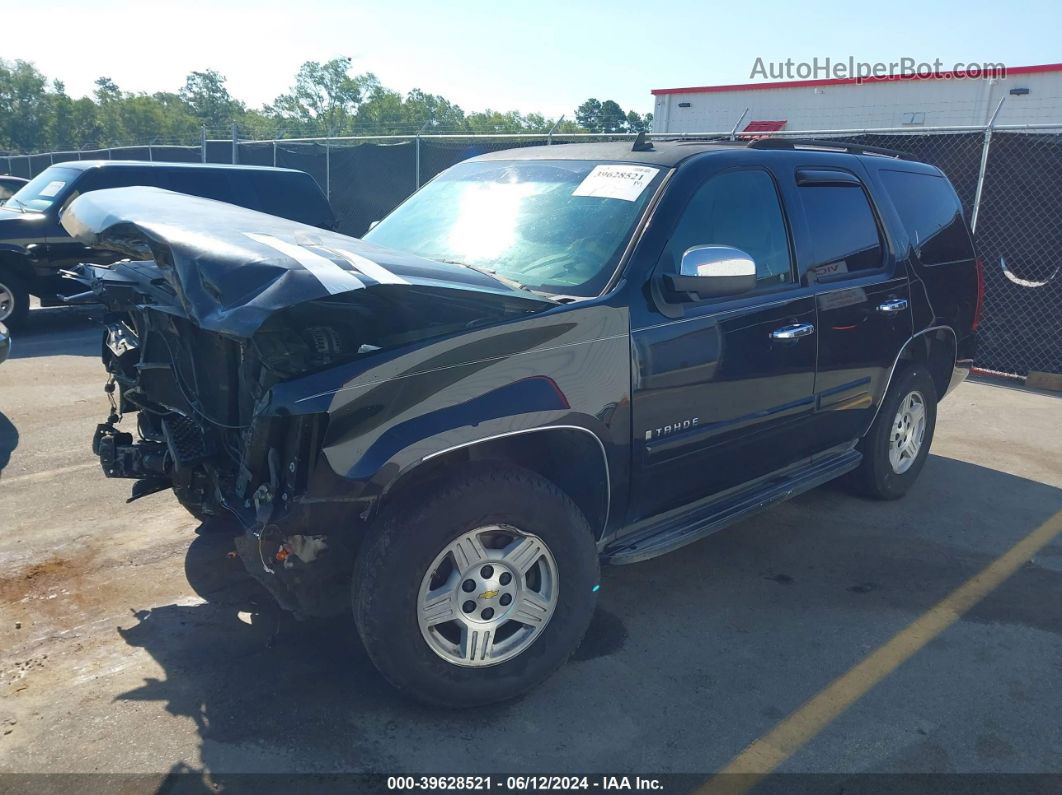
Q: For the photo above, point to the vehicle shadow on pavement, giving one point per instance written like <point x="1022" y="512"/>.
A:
<point x="58" y="331"/>
<point x="8" y="440"/>
<point x="269" y="694"/>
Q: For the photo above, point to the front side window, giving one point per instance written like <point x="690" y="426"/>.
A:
<point x="45" y="189"/>
<point x="559" y="226"/>
<point x="844" y="232"/>
<point x="739" y="209"/>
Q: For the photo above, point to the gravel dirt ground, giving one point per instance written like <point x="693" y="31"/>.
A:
<point x="130" y="644"/>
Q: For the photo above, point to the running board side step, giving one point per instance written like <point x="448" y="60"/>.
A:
<point x="702" y="521"/>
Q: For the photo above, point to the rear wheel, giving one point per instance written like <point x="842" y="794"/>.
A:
<point x="478" y="590"/>
<point x="896" y="447"/>
<point x="14" y="300"/>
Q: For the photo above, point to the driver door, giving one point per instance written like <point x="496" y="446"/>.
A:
<point x="724" y="393"/>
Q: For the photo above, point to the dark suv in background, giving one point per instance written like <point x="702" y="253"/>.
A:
<point x="34" y="247"/>
<point x="545" y="359"/>
<point x="9" y="186"/>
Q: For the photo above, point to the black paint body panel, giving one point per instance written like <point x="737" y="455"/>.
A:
<point x="681" y="404"/>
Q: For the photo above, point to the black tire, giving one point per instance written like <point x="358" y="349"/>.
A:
<point x="219" y="577"/>
<point x="404" y="542"/>
<point x="210" y="519"/>
<point x="190" y="504"/>
<point x="13" y="285"/>
<point x="876" y="476"/>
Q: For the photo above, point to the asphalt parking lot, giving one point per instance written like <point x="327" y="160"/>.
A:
<point x="112" y="660"/>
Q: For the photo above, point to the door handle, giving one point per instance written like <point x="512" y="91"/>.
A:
<point x="893" y="305"/>
<point x="793" y="332"/>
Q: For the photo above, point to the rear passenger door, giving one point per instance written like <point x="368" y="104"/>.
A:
<point x="861" y="294"/>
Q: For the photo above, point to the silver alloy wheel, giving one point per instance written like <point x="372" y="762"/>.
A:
<point x="7" y="302"/>
<point x="908" y="430"/>
<point x="488" y="596"/>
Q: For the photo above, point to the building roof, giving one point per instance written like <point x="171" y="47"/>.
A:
<point x="1016" y="70"/>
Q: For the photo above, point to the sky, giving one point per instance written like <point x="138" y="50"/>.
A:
<point x="540" y="56"/>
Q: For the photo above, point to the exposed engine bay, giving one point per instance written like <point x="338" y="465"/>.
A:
<point x="198" y="338"/>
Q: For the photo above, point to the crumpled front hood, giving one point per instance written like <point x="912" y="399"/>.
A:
<point x="232" y="268"/>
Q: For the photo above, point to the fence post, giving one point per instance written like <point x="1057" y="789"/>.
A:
<point x="274" y="154"/>
<point x="984" y="165"/>
<point x="741" y="118"/>
<point x="328" y="169"/>
<point x="549" y="136"/>
<point x="202" y="144"/>
<point x="422" y="128"/>
<point x="235" y="144"/>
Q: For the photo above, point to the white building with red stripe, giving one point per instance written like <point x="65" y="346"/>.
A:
<point x="1031" y="95"/>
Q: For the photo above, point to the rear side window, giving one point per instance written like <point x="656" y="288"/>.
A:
<point x="121" y="177"/>
<point x="291" y="195"/>
<point x="739" y="209"/>
<point x="844" y="232"/>
<point x="203" y="182"/>
<point x="931" y="214"/>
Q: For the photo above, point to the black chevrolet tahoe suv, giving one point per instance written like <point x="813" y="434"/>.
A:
<point x="544" y="360"/>
<point x="34" y="248"/>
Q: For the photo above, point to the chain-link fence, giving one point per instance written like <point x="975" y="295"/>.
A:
<point x="1009" y="180"/>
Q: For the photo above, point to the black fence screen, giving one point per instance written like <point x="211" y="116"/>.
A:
<point x="1019" y="226"/>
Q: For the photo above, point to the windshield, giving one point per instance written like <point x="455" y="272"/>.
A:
<point x="43" y="190"/>
<point x="559" y="226"/>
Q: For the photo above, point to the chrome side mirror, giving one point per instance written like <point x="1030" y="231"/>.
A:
<point x="713" y="272"/>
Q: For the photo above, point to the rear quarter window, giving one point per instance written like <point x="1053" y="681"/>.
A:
<point x="203" y="182"/>
<point x="932" y="215"/>
<point x="293" y="196"/>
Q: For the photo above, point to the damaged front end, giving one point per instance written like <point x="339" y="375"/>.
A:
<point x="220" y="331"/>
<point x="190" y="411"/>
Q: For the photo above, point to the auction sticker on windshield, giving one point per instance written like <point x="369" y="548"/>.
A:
<point x="616" y="182"/>
<point x="52" y="188"/>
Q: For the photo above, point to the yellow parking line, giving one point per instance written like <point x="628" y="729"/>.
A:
<point x="795" y="731"/>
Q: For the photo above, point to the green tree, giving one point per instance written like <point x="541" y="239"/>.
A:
<point x="381" y="112"/>
<point x="109" y="112"/>
<point x="588" y="115"/>
<point x="608" y="117"/>
<point x="637" y="123"/>
<point x="433" y="112"/>
<point x="325" y="97"/>
<point x="613" y="119"/>
<point x="24" y="106"/>
<point x="208" y="99"/>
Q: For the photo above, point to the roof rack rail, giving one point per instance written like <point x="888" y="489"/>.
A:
<point x="722" y="138"/>
<point x="813" y="143"/>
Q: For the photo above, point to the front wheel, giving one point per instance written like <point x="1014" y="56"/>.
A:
<point x="477" y="591"/>
<point x="897" y="444"/>
<point x="14" y="300"/>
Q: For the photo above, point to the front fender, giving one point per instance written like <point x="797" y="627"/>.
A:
<point x="568" y="367"/>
